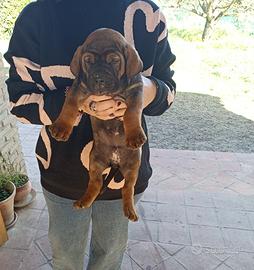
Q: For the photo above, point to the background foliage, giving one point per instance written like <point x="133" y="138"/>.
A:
<point x="9" y="11"/>
<point x="212" y="11"/>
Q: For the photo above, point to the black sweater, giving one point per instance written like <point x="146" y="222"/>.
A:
<point x="45" y="37"/>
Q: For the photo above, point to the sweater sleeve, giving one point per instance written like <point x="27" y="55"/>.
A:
<point x="30" y="99"/>
<point x="162" y="75"/>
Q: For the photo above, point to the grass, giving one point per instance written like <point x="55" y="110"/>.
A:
<point x="218" y="67"/>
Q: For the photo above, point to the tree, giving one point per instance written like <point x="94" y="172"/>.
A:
<point x="212" y="10"/>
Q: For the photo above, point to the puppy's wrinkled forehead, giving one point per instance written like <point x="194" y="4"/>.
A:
<point x="103" y="40"/>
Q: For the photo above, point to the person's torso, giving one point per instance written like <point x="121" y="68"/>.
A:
<point x="64" y="25"/>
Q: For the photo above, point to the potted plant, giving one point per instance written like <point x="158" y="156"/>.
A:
<point x="24" y="192"/>
<point x="7" y="194"/>
<point x="23" y="186"/>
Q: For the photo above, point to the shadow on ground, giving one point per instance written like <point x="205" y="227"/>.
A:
<point x="200" y="122"/>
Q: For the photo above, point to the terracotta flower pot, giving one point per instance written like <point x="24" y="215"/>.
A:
<point x="23" y="191"/>
<point x="7" y="206"/>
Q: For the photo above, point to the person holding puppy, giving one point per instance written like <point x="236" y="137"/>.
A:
<point x="45" y="37"/>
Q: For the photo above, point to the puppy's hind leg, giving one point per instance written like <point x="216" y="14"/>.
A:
<point x="94" y="185"/>
<point x="130" y="175"/>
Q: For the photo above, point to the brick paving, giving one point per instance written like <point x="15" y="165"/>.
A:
<point x="197" y="214"/>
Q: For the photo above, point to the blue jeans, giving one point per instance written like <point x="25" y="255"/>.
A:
<point x="68" y="233"/>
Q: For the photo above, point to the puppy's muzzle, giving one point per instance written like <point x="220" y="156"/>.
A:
<point x="101" y="82"/>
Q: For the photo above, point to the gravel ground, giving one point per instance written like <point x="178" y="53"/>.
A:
<point x="200" y="122"/>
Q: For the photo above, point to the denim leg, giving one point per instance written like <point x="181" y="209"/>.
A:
<point x="109" y="235"/>
<point x="68" y="232"/>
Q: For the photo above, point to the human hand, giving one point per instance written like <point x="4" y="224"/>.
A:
<point x="104" y="107"/>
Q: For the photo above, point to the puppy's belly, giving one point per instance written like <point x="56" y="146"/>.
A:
<point x="115" y="157"/>
<point x="123" y="155"/>
<point x="110" y="143"/>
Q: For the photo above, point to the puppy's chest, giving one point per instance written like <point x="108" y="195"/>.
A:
<point x="109" y="132"/>
<point x="113" y="130"/>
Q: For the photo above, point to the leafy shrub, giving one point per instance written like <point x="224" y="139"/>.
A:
<point x="219" y="33"/>
<point x="186" y="34"/>
<point x="194" y="34"/>
<point x="9" y="11"/>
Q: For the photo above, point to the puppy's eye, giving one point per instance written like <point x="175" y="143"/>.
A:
<point x="89" y="59"/>
<point x="113" y="59"/>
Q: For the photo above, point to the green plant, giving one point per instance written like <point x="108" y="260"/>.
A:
<point x="186" y="34"/>
<point x="19" y="179"/>
<point x="219" y="33"/>
<point x="9" y="11"/>
<point x="10" y="173"/>
<point x="4" y="194"/>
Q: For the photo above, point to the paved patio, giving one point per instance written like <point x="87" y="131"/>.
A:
<point x="198" y="213"/>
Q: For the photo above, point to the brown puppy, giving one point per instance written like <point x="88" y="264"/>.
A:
<point x="107" y="65"/>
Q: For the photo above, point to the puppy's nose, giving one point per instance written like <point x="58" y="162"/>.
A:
<point x="98" y="79"/>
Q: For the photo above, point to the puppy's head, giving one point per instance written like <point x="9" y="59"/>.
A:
<point x="104" y="60"/>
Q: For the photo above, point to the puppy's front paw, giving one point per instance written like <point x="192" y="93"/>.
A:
<point x="60" y="131"/>
<point x="136" y="139"/>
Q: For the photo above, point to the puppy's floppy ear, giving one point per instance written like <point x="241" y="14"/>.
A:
<point x="75" y="62"/>
<point x="133" y="64"/>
